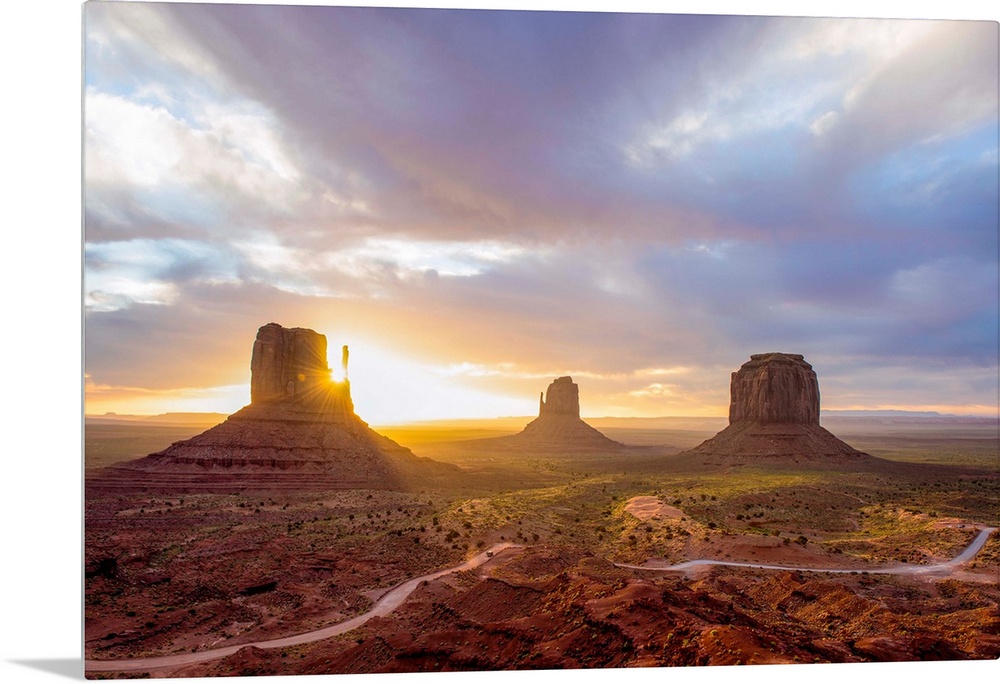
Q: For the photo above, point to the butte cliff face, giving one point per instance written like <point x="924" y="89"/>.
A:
<point x="774" y="416"/>
<point x="298" y="432"/>
<point x="558" y="426"/>
<point x="775" y="388"/>
<point x="561" y="399"/>
<point x="287" y="363"/>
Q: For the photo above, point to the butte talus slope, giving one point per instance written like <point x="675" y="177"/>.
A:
<point x="298" y="432"/>
<point x="558" y="426"/>
<point x="774" y="418"/>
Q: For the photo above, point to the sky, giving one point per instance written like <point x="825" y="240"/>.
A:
<point x="478" y="202"/>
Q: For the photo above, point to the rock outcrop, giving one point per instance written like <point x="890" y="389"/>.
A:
<point x="562" y="398"/>
<point x="298" y="432"/>
<point x="558" y="427"/>
<point x="287" y="363"/>
<point x="774" y="416"/>
<point x="775" y="388"/>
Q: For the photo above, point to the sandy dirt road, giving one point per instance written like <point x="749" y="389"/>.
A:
<point x="938" y="568"/>
<point x="385" y="605"/>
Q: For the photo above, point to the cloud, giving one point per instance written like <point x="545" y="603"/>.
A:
<point x="509" y="329"/>
<point x="202" y="340"/>
<point x="938" y="84"/>
<point x="142" y="271"/>
<point x="773" y="75"/>
<point x="404" y="123"/>
<point x="147" y="148"/>
<point x="421" y="257"/>
<point x="508" y="196"/>
<point x="454" y="140"/>
<point x="118" y="41"/>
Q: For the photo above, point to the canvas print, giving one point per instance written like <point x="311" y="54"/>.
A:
<point x="429" y="340"/>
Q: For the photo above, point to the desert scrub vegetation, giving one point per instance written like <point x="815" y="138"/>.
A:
<point x="573" y="506"/>
<point x="776" y="508"/>
<point x="631" y="539"/>
<point x="890" y="534"/>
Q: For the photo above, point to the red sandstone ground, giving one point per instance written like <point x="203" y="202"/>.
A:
<point x="183" y="572"/>
<point x="555" y="607"/>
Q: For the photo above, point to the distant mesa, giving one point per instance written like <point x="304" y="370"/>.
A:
<point x="558" y="426"/>
<point x="774" y="417"/>
<point x="298" y="432"/>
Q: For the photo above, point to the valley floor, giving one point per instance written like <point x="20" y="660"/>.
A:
<point x="186" y="573"/>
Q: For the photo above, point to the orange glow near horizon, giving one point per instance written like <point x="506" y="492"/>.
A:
<point x="391" y="388"/>
<point x="99" y="400"/>
<point x="464" y="406"/>
<point x="388" y="389"/>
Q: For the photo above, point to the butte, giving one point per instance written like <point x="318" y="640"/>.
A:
<point x="774" y="419"/>
<point x="299" y="432"/>
<point x="558" y="426"/>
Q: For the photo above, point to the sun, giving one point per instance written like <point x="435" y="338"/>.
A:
<point x="391" y="387"/>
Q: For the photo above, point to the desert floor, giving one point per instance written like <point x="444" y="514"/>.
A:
<point x="178" y="574"/>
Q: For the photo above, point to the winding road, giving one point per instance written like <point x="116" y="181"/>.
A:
<point x="385" y="605"/>
<point x="966" y="555"/>
<point x="394" y="598"/>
